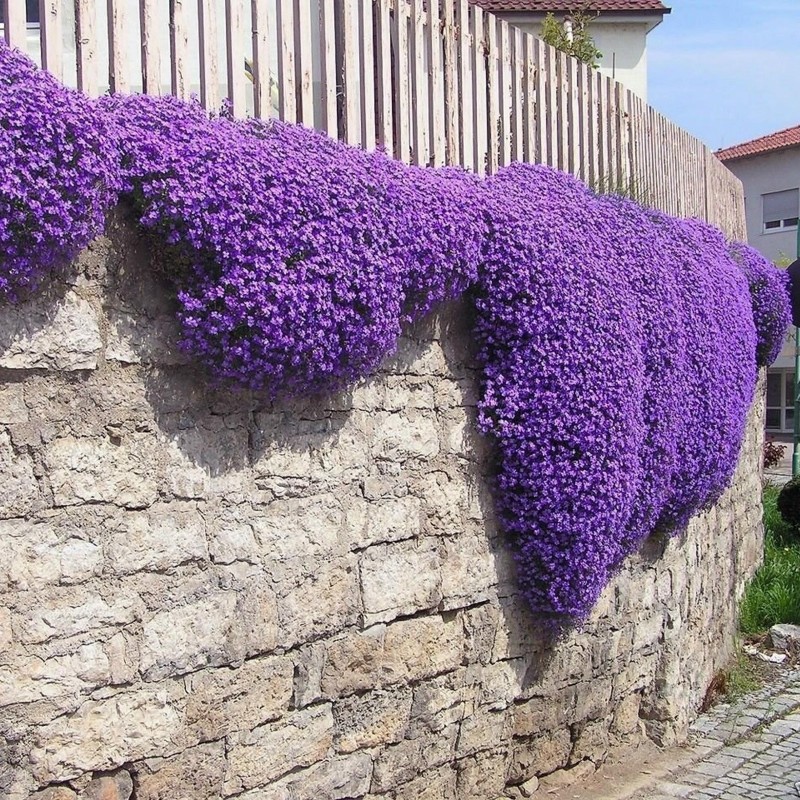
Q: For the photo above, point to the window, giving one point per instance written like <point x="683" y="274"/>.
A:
<point x="31" y="10"/>
<point x="780" y="400"/>
<point x="781" y="209"/>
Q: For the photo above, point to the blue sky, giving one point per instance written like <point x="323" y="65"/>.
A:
<point x="727" y="70"/>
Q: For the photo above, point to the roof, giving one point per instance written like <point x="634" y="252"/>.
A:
<point x="771" y="143"/>
<point x="567" y="6"/>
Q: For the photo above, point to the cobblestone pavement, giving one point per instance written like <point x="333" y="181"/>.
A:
<point x="746" y="751"/>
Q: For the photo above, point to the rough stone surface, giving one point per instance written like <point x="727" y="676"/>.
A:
<point x="784" y="636"/>
<point x="220" y="596"/>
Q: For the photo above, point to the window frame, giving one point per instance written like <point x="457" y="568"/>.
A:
<point x="780" y="225"/>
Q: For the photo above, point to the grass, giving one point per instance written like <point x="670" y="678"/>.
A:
<point x="773" y="595"/>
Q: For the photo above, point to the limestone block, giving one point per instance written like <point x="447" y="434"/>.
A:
<point x="389" y="520"/>
<point x="269" y="752"/>
<point x="302" y="527"/>
<point x="232" y="537"/>
<point x="308" y="666"/>
<point x="321" y="602"/>
<point x="626" y="714"/>
<point x="482" y="776"/>
<point x="96" y="470"/>
<point x="400" y="763"/>
<point x="34" y="679"/>
<point x="784" y="636"/>
<point x="118" y="786"/>
<point x="20" y="487"/>
<point x="337" y="779"/>
<point x="181" y="639"/>
<point x="135" y="339"/>
<point x="400" y="579"/>
<point x="499" y="684"/>
<point x="194" y="774"/>
<point x="371" y="720"/>
<point x="104" y="734"/>
<point x="540" y="755"/>
<point x="440" y="702"/>
<point x="438" y="784"/>
<point x="75" y="611"/>
<point x="539" y="714"/>
<point x="163" y="537"/>
<point x="483" y="729"/>
<point x="36" y="556"/>
<point x="6" y="637"/>
<point x="591" y="743"/>
<point x="421" y="648"/>
<point x="445" y="505"/>
<point x="400" y="437"/>
<point x="54" y="793"/>
<point x="36" y="335"/>
<point x="13" y="410"/>
<point x="221" y="701"/>
<point x="468" y="571"/>
<point x="353" y="662"/>
<point x="567" y="777"/>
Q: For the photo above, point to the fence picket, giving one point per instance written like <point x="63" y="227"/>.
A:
<point x="234" y="12"/>
<point x="179" y="49"/>
<point x="85" y="46"/>
<point x="208" y="57"/>
<point x="402" y="70"/>
<point x="450" y="110"/>
<point x="151" y="48"/>
<point x="287" y="79"/>
<point x="434" y="46"/>
<point x="493" y="89"/>
<point x="117" y="28"/>
<point x="383" y="74"/>
<point x="351" y="83"/>
<point x="421" y="154"/>
<point x="504" y="92"/>
<point x="466" y="67"/>
<point x="329" y="88"/>
<point x="50" y="16"/>
<point x="367" y="62"/>
<point x="518" y="70"/>
<point x="304" y="45"/>
<point x="14" y="24"/>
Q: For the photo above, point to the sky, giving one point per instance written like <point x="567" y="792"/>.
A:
<point x="727" y="70"/>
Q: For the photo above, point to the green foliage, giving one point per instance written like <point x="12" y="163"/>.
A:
<point x="788" y="503"/>
<point x="773" y="596"/>
<point x="580" y="46"/>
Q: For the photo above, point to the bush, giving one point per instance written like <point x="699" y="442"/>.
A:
<point x="773" y="453"/>
<point x="789" y="504"/>
<point x="58" y="174"/>
<point x="773" y="596"/>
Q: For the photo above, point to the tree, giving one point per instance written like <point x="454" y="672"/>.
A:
<point x="573" y="37"/>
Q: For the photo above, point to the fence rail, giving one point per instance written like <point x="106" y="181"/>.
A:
<point x="431" y="81"/>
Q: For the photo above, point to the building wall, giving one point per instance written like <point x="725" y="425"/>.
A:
<point x="623" y="45"/>
<point x="772" y="172"/>
<point x="204" y="595"/>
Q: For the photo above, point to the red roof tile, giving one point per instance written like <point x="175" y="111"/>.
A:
<point x="764" y="144"/>
<point x="565" y="6"/>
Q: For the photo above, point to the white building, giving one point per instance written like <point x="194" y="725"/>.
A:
<point x="769" y="168"/>
<point x="619" y="29"/>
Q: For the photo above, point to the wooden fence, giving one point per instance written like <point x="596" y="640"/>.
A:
<point x="431" y="81"/>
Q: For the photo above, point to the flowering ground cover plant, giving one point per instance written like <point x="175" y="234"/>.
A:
<point x="58" y="174"/>
<point x="619" y="346"/>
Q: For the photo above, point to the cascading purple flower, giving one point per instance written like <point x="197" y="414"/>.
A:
<point x="58" y="174"/>
<point x="619" y="346"/>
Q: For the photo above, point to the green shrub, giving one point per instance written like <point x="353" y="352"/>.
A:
<point x="789" y="507"/>
<point x="773" y="595"/>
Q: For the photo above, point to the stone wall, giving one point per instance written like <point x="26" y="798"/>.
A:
<point x="207" y="596"/>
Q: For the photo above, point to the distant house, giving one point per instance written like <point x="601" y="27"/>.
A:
<point x="619" y="30"/>
<point x="769" y="168"/>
